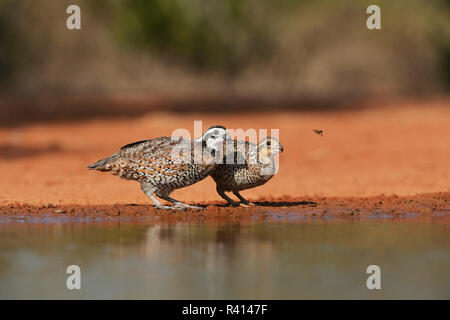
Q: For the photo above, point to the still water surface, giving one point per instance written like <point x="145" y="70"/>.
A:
<point x="315" y="258"/>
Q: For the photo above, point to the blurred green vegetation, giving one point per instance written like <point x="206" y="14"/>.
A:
<point x="231" y="34"/>
<point x="306" y="47"/>
<point x="9" y="43"/>
<point x="442" y="45"/>
<point x="207" y="35"/>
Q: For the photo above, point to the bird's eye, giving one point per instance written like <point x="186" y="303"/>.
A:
<point x="268" y="143"/>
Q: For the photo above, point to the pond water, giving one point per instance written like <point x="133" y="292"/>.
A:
<point x="310" y="259"/>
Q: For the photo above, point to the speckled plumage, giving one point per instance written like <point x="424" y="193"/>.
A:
<point x="246" y="165"/>
<point x="161" y="165"/>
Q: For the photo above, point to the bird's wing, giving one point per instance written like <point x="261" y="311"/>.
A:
<point x="155" y="148"/>
<point x="238" y="152"/>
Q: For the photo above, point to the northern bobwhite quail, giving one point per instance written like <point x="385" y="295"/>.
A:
<point x="245" y="165"/>
<point x="164" y="164"/>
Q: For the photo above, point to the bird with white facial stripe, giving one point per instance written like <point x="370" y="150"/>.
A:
<point x="164" y="164"/>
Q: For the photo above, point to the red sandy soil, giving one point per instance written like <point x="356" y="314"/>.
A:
<point x="398" y="150"/>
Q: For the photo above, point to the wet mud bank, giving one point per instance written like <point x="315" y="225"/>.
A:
<point x="434" y="205"/>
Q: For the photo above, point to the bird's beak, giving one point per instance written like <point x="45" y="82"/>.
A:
<point x="281" y="149"/>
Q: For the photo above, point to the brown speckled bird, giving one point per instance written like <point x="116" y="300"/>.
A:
<point x="245" y="166"/>
<point x="164" y="164"/>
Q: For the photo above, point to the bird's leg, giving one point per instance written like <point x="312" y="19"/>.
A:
<point x="228" y="199"/>
<point x="148" y="189"/>
<point x="244" y="201"/>
<point x="176" y="203"/>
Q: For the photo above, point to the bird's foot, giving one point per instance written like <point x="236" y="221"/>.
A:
<point x="247" y="204"/>
<point x="234" y="204"/>
<point x="184" y="206"/>
<point x="244" y="205"/>
<point x="163" y="207"/>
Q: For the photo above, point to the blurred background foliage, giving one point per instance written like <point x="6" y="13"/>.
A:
<point x="309" y="48"/>
<point x="205" y="35"/>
